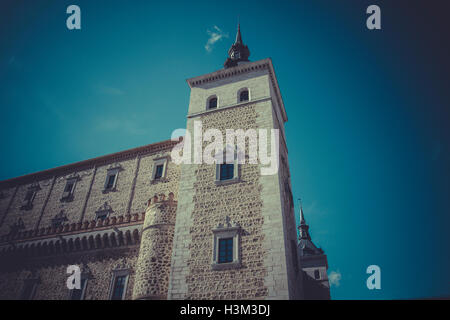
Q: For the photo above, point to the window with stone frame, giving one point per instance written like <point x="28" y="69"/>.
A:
<point x="159" y="171"/>
<point x="226" y="246"/>
<point x="243" y="95"/>
<point x="212" y="103"/>
<point x="119" y="282"/>
<point x="69" y="189"/>
<point x="27" y="203"/>
<point x="111" y="179"/>
<point x="228" y="171"/>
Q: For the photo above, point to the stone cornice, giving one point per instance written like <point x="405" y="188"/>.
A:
<point x="240" y="69"/>
<point x="85" y="164"/>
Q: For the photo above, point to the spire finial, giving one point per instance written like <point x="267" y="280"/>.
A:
<point x="302" y="217"/>
<point x="238" y="34"/>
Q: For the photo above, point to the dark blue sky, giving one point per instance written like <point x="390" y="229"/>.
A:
<point x="368" y="131"/>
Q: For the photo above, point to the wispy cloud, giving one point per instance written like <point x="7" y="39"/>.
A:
<point x="130" y="126"/>
<point x="215" y="35"/>
<point x="335" y="278"/>
<point x="108" y="90"/>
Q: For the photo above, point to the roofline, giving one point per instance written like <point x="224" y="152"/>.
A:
<point x="63" y="170"/>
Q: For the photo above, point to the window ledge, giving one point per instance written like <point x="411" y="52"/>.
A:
<point x="226" y="266"/>
<point x="26" y="207"/>
<point x="154" y="181"/>
<point x="226" y="182"/>
<point x="109" y="190"/>
<point x="67" y="199"/>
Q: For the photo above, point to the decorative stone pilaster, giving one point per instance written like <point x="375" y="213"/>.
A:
<point x="155" y="253"/>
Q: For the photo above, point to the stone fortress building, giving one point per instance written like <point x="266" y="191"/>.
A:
<point x="140" y="226"/>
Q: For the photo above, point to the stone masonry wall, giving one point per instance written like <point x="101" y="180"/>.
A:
<point x="52" y="276"/>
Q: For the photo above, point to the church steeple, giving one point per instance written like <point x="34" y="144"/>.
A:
<point x="238" y="52"/>
<point x="304" y="233"/>
<point x="305" y="243"/>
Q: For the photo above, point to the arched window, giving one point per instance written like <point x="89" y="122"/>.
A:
<point x="243" y="95"/>
<point x="212" y="103"/>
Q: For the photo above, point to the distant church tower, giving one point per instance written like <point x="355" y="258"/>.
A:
<point x="235" y="235"/>
<point x="314" y="264"/>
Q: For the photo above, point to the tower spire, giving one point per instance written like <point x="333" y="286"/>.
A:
<point x="304" y="228"/>
<point x="302" y="216"/>
<point x="238" y="53"/>
<point x="238" y="35"/>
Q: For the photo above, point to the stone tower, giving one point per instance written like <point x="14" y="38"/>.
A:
<point x="314" y="264"/>
<point x="235" y="234"/>
<point x="153" y="264"/>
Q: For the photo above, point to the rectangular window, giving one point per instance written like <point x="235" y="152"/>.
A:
<point x="159" y="171"/>
<point x="243" y="96"/>
<point x="110" y="181"/>
<point x="225" y="250"/>
<point x="29" y="196"/>
<point x="78" y="294"/>
<point x="68" y="190"/>
<point x="119" y="287"/>
<point x="27" y="202"/>
<point x="69" y="187"/>
<point x="226" y="171"/>
<point x="212" y="103"/>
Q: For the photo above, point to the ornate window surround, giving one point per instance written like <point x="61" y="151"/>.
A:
<point x="67" y="196"/>
<point x="160" y="161"/>
<point x="112" y="171"/>
<point x="229" y="230"/>
<point x="208" y="101"/>
<point x="119" y="273"/>
<point x="239" y="95"/>
<point x="27" y="204"/>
